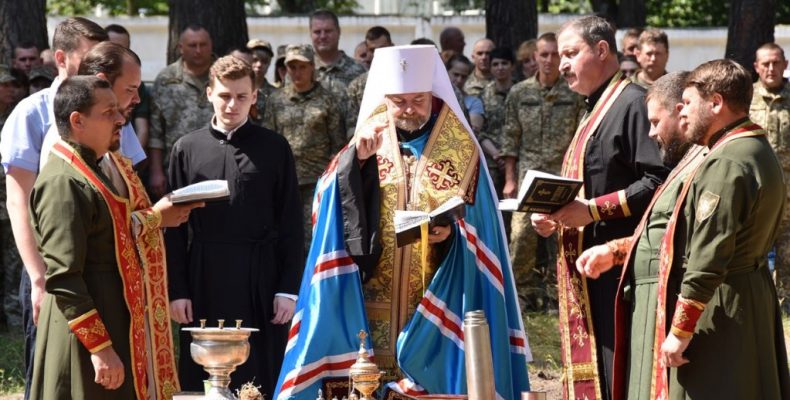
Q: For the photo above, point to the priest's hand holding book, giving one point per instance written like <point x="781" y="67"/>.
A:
<point x="572" y="215"/>
<point x="174" y="214"/>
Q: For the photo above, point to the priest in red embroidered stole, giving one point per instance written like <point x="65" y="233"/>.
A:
<point x="621" y="169"/>
<point x="718" y="324"/>
<point x="103" y="330"/>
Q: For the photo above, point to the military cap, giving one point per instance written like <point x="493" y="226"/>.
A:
<point x="5" y="74"/>
<point x="44" y="72"/>
<point x="302" y="52"/>
<point x="260" y="44"/>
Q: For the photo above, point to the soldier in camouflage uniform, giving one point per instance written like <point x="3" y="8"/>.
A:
<point x="493" y="97"/>
<point x="308" y="115"/>
<point x="541" y="116"/>
<point x="481" y="76"/>
<point x="770" y="109"/>
<point x="330" y="62"/>
<point x="652" y="54"/>
<point x="375" y="38"/>
<point x="262" y="55"/>
<point x="179" y="103"/>
<point x="10" y="263"/>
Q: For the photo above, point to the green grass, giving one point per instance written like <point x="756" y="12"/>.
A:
<point x="544" y="340"/>
<point x="12" y="345"/>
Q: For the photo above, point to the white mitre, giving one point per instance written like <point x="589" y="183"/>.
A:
<point x="407" y="69"/>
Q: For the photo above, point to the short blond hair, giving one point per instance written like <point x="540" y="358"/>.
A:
<point x="526" y="50"/>
<point x="653" y="36"/>
<point x="230" y="68"/>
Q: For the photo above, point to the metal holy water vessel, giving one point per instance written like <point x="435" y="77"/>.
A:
<point x="477" y="355"/>
<point x="365" y="375"/>
<point x="220" y="350"/>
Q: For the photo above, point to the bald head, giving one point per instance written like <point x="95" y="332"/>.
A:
<point x="481" y="56"/>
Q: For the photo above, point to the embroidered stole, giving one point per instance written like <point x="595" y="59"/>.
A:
<point x="622" y="312"/>
<point x="447" y="167"/>
<point x="141" y="264"/>
<point x="580" y="369"/>
<point x="660" y="382"/>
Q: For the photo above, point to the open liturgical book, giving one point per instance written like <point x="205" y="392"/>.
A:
<point x="407" y="223"/>
<point x="541" y="192"/>
<point x="213" y="190"/>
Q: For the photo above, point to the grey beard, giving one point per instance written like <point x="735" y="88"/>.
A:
<point x="410" y="124"/>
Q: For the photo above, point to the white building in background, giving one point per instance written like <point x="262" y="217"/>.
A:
<point x="688" y="47"/>
<point x="408" y="8"/>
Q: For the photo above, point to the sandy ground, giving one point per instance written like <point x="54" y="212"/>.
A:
<point x="546" y="381"/>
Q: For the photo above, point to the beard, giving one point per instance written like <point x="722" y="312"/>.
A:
<point x="410" y="123"/>
<point x="698" y="127"/>
<point x="673" y="152"/>
<point x="127" y="114"/>
<point x="115" y="143"/>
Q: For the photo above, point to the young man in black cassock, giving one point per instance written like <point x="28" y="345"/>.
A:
<point x="244" y="258"/>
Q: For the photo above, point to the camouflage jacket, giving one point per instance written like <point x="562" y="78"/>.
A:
<point x="539" y="124"/>
<point x="474" y="86"/>
<point x="256" y="113"/>
<point x="494" y="105"/>
<point x="179" y="106"/>
<point x="3" y="212"/>
<point x="312" y="122"/>
<point x="772" y="112"/>
<point x="356" y="89"/>
<point x="345" y="69"/>
<point x="637" y="78"/>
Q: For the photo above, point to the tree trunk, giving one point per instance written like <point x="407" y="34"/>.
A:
<point x="631" y="14"/>
<point x="606" y="9"/>
<point x="21" y="21"/>
<point x="297" y="6"/>
<point x="751" y="26"/>
<point x="510" y="22"/>
<point x="226" y="22"/>
<point x="131" y="8"/>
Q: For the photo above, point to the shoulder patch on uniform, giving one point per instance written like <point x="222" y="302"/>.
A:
<point x="707" y="205"/>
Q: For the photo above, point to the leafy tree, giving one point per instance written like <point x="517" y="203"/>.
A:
<point x="113" y="7"/>
<point x="687" y="13"/>
<point x="160" y="7"/>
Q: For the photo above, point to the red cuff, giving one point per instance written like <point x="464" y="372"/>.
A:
<point x="90" y="330"/>
<point x="610" y="206"/>
<point x="687" y="313"/>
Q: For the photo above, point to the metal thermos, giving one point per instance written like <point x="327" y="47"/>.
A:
<point x="479" y="364"/>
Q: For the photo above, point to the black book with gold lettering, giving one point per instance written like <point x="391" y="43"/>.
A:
<point x="541" y="192"/>
<point x="407" y="223"/>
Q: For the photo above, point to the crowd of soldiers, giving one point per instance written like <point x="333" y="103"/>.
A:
<point x="518" y="103"/>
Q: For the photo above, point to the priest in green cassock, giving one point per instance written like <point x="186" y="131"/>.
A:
<point x="635" y="301"/>
<point x="707" y="235"/>
<point x="719" y="332"/>
<point x="105" y="313"/>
